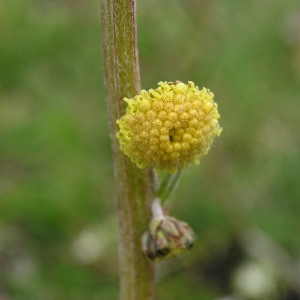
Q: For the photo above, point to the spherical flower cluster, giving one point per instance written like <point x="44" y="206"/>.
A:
<point x="170" y="126"/>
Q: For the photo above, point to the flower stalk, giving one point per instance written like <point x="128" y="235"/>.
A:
<point x="134" y="187"/>
<point x="168" y="185"/>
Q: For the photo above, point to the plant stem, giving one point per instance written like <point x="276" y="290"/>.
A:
<point x="135" y="187"/>
<point x="168" y="185"/>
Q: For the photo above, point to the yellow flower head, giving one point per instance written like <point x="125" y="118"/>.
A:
<point x="170" y="126"/>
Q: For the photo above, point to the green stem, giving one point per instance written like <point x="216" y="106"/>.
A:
<point x="167" y="186"/>
<point x="135" y="187"/>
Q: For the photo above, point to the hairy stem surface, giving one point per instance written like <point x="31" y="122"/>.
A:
<point x="135" y="187"/>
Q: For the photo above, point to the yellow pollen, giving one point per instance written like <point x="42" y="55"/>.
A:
<point x="170" y="126"/>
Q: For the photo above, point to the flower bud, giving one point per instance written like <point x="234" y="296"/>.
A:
<point x="167" y="237"/>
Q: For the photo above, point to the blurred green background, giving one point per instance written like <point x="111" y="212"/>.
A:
<point x="57" y="208"/>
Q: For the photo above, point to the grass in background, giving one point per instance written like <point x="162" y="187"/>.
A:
<point x="56" y="178"/>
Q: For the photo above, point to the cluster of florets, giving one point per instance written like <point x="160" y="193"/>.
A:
<point x="170" y="126"/>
